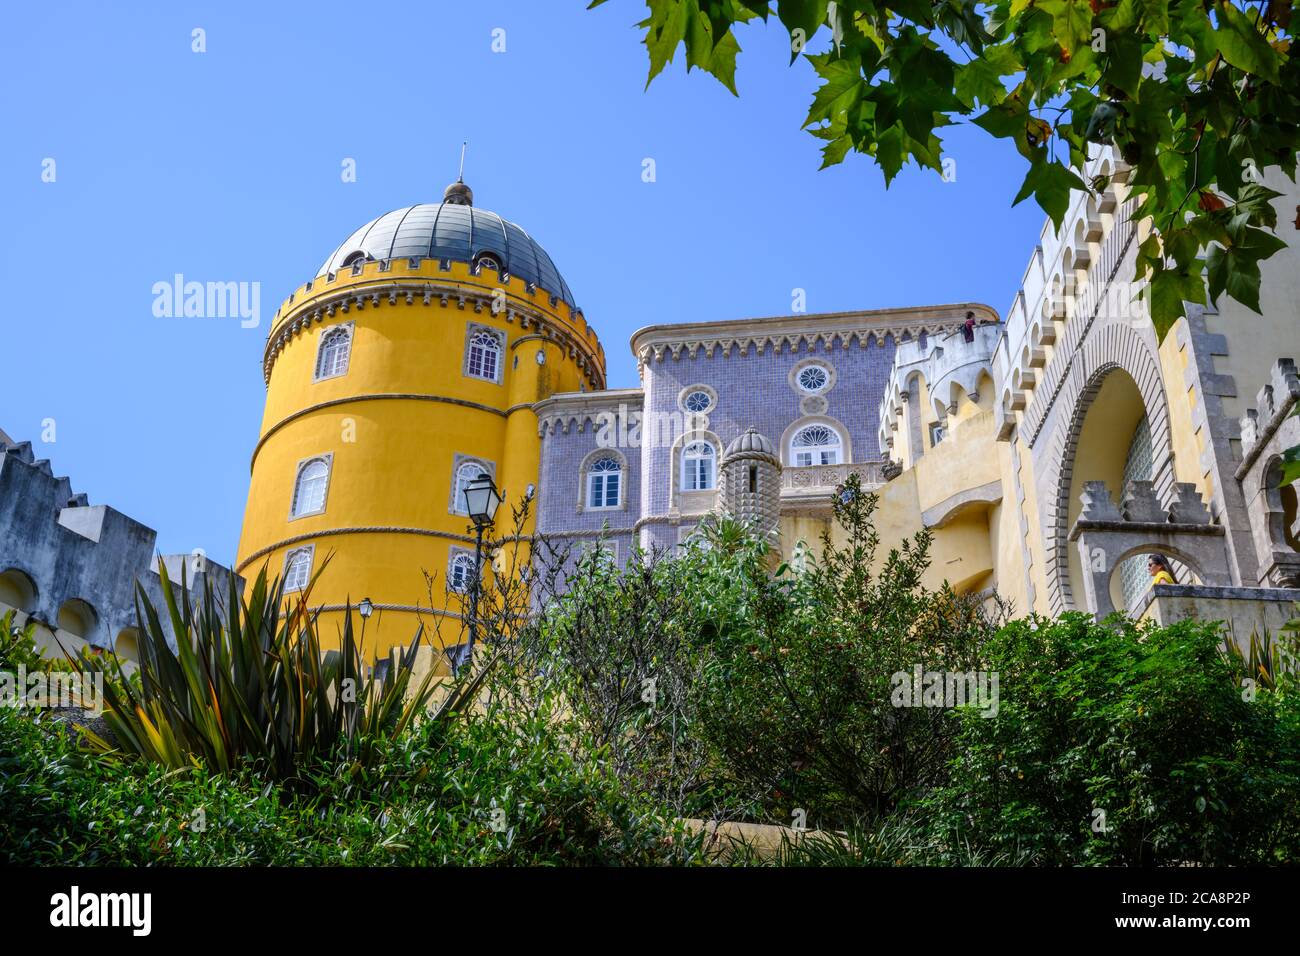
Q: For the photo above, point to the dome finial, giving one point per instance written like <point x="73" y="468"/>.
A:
<point x="458" y="194"/>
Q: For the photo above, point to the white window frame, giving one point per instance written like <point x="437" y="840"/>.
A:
<point x="688" y="476"/>
<point x="709" y="401"/>
<point x="328" y="462"/>
<point x="487" y="342"/>
<point x="310" y="551"/>
<point x="816" y="454"/>
<point x="602" y="478"/>
<point x="456" y="560"/>
<point x="458" y="485"/>
<point x="813" y="366"/>
<point x="326" y="338"/>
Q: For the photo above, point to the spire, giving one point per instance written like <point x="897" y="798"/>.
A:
<point x="458" y="194"/>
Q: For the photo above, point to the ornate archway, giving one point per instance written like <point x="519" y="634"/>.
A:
<point x="1115" y="349"/>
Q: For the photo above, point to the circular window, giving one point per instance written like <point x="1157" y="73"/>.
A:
<point x="698" y="401"/>
<point x="813" y="379"/>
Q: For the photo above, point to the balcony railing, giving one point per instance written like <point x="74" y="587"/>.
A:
<point x="815" y="480"/>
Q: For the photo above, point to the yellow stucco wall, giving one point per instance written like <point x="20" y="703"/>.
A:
<point x="394" y="424"/>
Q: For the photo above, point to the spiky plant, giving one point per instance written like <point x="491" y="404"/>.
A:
<point x="1266" y="659"/>
<point x="249" y="683"/>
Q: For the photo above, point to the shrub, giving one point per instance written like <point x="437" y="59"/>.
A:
<point x="430" y="797"/>
<point x="249" y="682"/>
<point x="800" y="707"/>
<point x="1118" y="743"/>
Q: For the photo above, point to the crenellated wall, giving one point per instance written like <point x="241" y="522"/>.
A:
<point x="72" y="567"/>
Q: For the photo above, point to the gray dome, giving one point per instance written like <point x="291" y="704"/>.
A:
<point x="452" y="230"/>
<point x="751" y="443"/>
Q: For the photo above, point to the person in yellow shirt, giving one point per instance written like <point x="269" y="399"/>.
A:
<point x="1159" y="569"/>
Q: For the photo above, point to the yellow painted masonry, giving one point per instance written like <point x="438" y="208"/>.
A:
<point x="394" y="426"/>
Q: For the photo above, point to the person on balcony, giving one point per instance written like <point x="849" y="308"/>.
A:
<point x="1160" y="571"/>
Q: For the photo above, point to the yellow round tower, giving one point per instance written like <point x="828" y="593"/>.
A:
<point x="407" y="367"/>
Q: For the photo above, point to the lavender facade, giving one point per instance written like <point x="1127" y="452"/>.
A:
<point x="807" y="388"/>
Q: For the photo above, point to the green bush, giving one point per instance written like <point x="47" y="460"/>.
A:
<point x="800" y="705"/>
<point x="1123" y="744"/>
<point x="250" y="683"/>
<point x="429" y="798"/>
<point x="771" y="686"/>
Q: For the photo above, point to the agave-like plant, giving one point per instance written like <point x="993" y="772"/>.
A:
<point x="1266" y="659"/>
<point x="250" y="684"/>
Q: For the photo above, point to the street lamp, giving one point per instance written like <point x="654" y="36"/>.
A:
<point x="481" y="502"/>
<point x="365" y="608"/>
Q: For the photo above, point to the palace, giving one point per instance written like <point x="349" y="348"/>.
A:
<point x="1048" y="452"/>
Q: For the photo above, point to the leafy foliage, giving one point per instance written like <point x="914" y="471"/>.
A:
<point x="430" y="797"/>
<point x="1197" y="96"/>
<point x="802" y="711"/>
<point x="249" y="681"/>
<point x="17" y="645"/>
<point x="1120" y="744"/>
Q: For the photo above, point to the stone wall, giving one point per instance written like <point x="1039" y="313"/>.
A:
<point x="82" y="560"/>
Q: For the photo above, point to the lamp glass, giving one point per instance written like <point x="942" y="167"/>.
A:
<point x="481" y="500"/>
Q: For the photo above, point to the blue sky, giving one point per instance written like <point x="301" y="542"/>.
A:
<point x="225" y="166"/>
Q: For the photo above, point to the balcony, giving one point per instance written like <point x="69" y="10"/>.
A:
<point x="813" y="485"/>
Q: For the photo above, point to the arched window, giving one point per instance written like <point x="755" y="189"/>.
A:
<point x="309" y="489"/>
<point x="604" y="481"/>
<point x="335" y="350"/>
<point x="464" y="475"/>
<point x="484" y="359"/>
<point x="460" y="572"/>
<point x="697" y="466"/>
<point x="815" y="445"/>
<point x="492" y="262"/>
<point x="297" y="569"/>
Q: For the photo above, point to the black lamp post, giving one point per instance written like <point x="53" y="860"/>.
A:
<point x="481" y="502"/>
<point x="365" y="609"/>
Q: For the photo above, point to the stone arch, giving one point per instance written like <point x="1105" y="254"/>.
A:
<point x="127" y="644"/>
<point x="18" y="590"/>
<point x="1056" y="307"/>
<point x="1188" y="564"/>
<point x="1282" y="507"/>
<point x="78" y="618"/>
<point x="1115" y="348"/>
